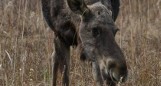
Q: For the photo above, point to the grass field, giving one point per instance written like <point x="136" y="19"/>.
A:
<point x="26" y="45"/>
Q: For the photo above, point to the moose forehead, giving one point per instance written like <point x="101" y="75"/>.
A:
<point x="101" y="13"/>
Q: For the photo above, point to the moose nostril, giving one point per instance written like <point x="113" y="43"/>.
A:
<point x="113" y="76"/>
<point x="117" y="71"/>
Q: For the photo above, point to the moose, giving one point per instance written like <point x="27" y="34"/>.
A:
<point x="90" y="26"/>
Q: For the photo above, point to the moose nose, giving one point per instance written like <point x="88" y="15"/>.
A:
<point x="118" y="72"/>
<point x="117" y="76"/>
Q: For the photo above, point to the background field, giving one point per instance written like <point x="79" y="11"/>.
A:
<point x="26" y="45"/>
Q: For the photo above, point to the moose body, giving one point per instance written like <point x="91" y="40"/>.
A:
<point x="89" y="25"/>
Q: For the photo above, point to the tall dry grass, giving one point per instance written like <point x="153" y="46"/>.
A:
<point x="26" y="45"/>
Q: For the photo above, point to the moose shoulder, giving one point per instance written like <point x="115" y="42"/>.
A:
<point x="89" y="25"/>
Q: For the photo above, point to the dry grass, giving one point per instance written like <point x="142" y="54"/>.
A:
<point x="26" y="45"/>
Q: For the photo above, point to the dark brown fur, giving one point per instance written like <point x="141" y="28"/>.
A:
<point x="89" y="25"/>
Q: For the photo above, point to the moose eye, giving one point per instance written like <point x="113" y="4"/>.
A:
<point x="96" y="32"/>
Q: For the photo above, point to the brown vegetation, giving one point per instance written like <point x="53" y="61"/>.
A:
<point x="26" y="45"/>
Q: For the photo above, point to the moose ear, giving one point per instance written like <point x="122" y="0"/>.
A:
<point x="78" y="6"/>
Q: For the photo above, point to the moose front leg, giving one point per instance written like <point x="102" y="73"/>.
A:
<point x="55" y="68"/>
<point x="96" y="74"/>
<point x="61" y="60"/>
<point x="66" y="68"/>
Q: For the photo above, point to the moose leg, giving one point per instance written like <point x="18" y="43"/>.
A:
<point x="96" y="74"/>
<point x="66" y="66"/>
<point x="55" y="69"/>
<point x="61" y="60"/>
<point x="56" y="59"/>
